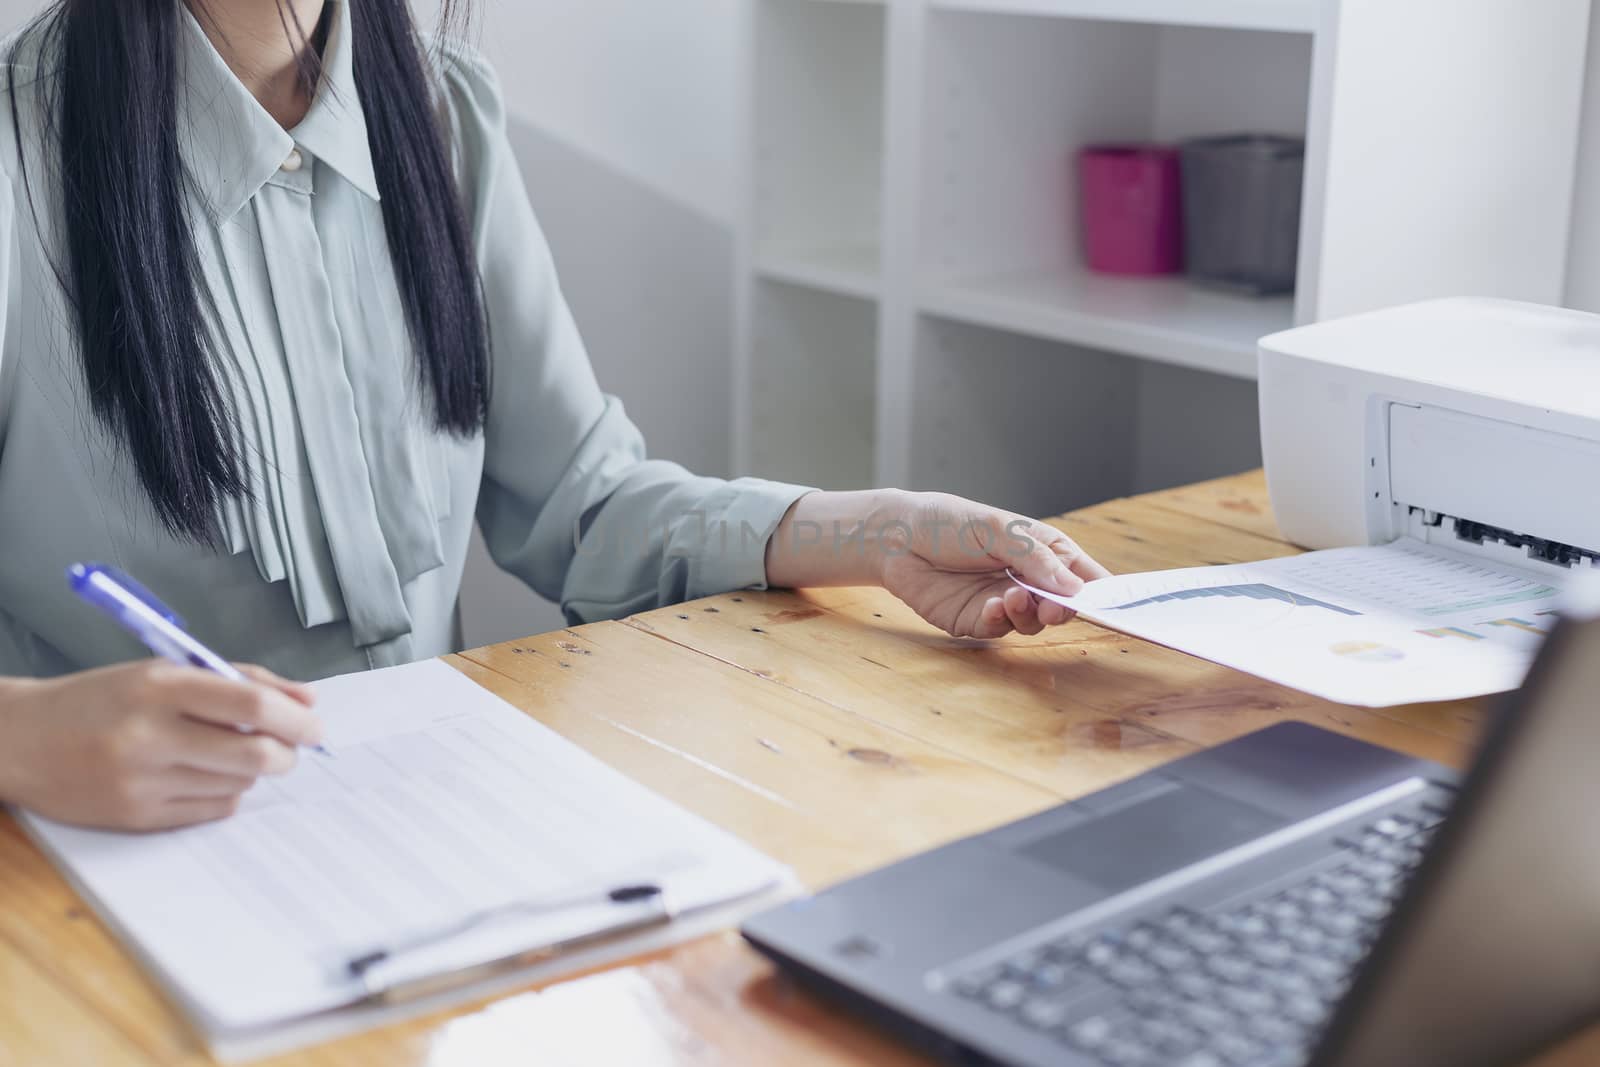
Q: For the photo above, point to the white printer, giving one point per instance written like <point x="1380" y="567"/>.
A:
<point x="1465" y="422"/>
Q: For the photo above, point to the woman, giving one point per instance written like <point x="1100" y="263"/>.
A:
<point x="278" y="326"/>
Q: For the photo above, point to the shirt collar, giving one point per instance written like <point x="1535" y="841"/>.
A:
<point x="232" y="147"/>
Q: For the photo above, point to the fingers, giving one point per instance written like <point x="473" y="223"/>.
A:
<point x="295" y="691"/>
<point x="1039" y="558"/>
<point x="1029" y="615"/>
<point x="203" y="746"/>
<point x="1017" y="611"/>
<point x="1053" y="614"/>
<point x="190" y="783"/>
<point x="262" y="708"/>
<point x="1084" y="565"/>
<point x="188" y="811"/>
<point x="1080" y="563"/>
<point x="1020" y="607"/>
<point x="992" y="620"/>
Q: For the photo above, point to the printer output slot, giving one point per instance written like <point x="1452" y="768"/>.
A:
<point x="1479" y="533"/>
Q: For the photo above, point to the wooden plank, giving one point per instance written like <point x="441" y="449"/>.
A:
<point x="962" y="696"/>
<point x="831" y="793"/>
<point x="44" y="1025"/>
<point x="1139" y="535"/>
<point x="1071" y="709"/>
<point x="1241" y="501"/>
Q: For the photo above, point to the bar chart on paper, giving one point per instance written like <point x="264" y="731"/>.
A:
<point x="1374" y="626"/>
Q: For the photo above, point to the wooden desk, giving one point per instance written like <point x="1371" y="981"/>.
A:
<point x="832" y="729"/>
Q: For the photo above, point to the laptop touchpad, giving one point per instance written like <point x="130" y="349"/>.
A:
<point x="1145" y="840"/>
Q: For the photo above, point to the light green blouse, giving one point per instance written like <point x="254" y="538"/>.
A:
<point x="348" y="552"/>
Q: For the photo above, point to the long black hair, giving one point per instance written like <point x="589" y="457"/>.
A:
<point x="131" y="270"/>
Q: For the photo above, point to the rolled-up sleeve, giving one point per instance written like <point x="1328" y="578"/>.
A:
<point x="569" y="501"/>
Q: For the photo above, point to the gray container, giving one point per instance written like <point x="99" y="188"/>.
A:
<point x="1241" y="208"/>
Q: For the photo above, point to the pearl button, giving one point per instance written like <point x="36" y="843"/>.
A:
<point x="294" y="162"/>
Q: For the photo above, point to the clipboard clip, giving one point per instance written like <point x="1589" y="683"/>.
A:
<point x="641" y="907"/>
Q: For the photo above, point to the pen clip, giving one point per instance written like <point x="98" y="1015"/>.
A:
<point x="80" y="575"/>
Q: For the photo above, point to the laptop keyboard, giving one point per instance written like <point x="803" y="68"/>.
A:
<point x="1246" y="985"/>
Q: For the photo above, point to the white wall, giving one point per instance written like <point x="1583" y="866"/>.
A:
<point x="643" y="86"/>
<point x="623" y="113"/>
<point x="1583" y="271"/>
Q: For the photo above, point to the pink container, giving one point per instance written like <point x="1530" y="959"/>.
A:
<point x="1131" y="208"/>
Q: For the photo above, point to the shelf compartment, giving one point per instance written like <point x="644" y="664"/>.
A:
<point x="1165" y="319"/>
<point x="1285" y="16"/>
<point x="1036" y="426"/>
<point x="849" y="269"/>
<point x="1193" y="427"/>
<point x="813" y="386"/>
<point x="1019" y="422"/>
<point x="1013" y="98"/>
<point x="818" y="125"/>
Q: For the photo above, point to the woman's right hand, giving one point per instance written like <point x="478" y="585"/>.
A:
<point x="147" y="746"/>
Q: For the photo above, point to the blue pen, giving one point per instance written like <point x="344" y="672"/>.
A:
<point x="158" y="628"/>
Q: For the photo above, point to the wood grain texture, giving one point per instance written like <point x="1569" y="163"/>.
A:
<point x="828" y="791"/>
<point x="1239" y="502"/>
<point x="43" y="1023"/>
<point x="830" y="728"/>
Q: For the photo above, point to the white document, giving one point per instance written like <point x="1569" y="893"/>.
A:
<point x="437" y="801"/>
<point x="1373" y="626"/>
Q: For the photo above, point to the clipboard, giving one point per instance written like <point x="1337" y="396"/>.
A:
<point x="262" y="969"/>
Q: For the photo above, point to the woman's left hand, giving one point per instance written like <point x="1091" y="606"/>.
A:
<point x="948" y="560"/>
<point x="944" y="556"/>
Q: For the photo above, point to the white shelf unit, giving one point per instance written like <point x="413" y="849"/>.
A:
<point x="841" y="267"/>
<point x="1164" y="319"/>
<point x="911" y="306"/>
<point x="1291" y="16"/>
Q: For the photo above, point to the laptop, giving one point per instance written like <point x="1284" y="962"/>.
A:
<point x="1294" y="898"/>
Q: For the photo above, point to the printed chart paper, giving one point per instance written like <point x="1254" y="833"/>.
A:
<point x="1373" y="626"/>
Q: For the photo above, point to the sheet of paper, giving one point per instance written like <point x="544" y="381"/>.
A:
<point x="437" y="800"/>
<point x="1373" y="626"/>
